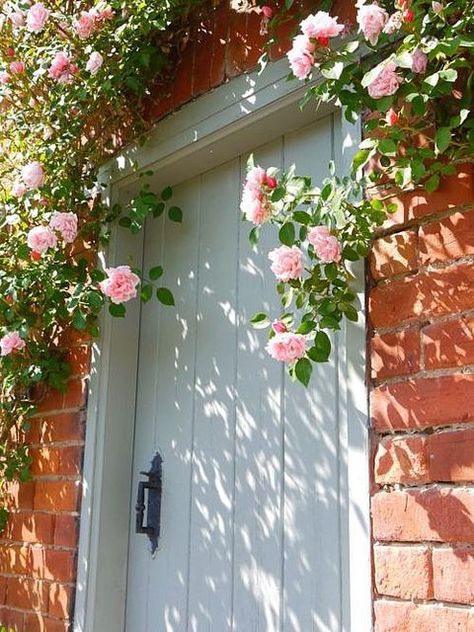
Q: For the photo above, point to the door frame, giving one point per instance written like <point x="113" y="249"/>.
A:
<point x="194" y="138"/>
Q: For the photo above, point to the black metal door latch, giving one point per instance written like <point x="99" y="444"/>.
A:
<point x="153" y="504"/>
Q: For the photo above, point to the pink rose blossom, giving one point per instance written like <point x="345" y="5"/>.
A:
<point x="267" y="12"/>
<point x="85" y="25"/>
<point x="321" y="25"/>
<point x="287" y="347"/>
<point x="17" y="18"/>
<point x="301" y="56"/>
<point x="371" y="19"/>
<point x="66" y="224"/>
<point x="61" y="69"/>
<point x="255" y="204"/>
<point x="37" y="17"/>
<point x="386" y="82"/>
<point x="104" y="13"/>
<point x="437" y="7"/>
<point x="41" y="238"/>
<point x="326" y="246"/>
<point x="121" y="284"/>
<point x="17" y="67"/>
<point x="11" y="342"/>
<point x="4" y="77"/>
<point x="33" y="175"/>
<point x="419" y="61"/>
<point x="279" y="327"/>
<point x="287" y="263"/>
<point x="94" y="63"/>
<point x="394" y="23"/>
<point x="392" y="117"/>
<point x="19" y="189"/>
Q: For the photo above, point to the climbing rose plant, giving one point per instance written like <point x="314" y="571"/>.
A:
<point x="407" y="69"/>
<point x="74" y="78"/>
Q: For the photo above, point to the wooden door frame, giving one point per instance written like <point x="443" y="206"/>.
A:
<point x="194" y="138"/>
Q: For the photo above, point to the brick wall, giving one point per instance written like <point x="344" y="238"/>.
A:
<point x="422" y="411"/>
<point x="422" y="348"/>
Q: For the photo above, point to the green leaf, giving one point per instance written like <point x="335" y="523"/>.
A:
<point x="387" y="147"/>
<point x="158" y="209"/>
<point x="254" y="235"/>
<point x="260" y="320"/>
<point x="166" y="193"/>
<point x="350" y="254"/>
<point x="321" y="349"/>
<point x="146" y="292"/>
<point x="117" y="310"/>
<point x="79" y="320"/>
<point x="155" y="273"/>
<point x="175" y="214"/>
<point x="350" y="312"/>
<point x="306" y="327"/>
<point x="302" y="217"/>
<point x="165" y="296"/>
<point x="360" y="158"/>
<point x="450" y="75"/>
<point x="432" y="183"/>
<point x="278" y="194"/>
<point x="287" y="234"/>
<point x="125" y="222"/>
<point x="442" y="139"/>
<point x="303" y="370"/>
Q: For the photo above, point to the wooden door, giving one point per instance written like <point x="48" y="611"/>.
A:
<point x="254" y="506"/>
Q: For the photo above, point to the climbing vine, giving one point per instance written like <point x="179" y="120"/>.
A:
<point x="74" y="79"/>
<point x="408" y="71"/>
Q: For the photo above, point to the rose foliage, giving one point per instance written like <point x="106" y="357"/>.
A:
<point x="407" y="69"/>
<point x="73" y="80"/>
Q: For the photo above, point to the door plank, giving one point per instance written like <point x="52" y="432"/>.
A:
<point x="258" y="516"/>
<point x="211" y="530"/>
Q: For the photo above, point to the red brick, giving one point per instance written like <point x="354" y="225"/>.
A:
<point x="449" y="344"/>
<point x="219" y="44"/>
<point x="395" y="354"/>
<point x="424" y="402"/>
<point x="30" y="527"/>
<point x="57" y="428"/>
<point x="396" y="302"/>
<point x="3" y="590"/>
<point x="403" y="571"/>
<point x="399" y="616"/>
<point x="60" y="600"/>
<point x="200" y="77"/>
<point x="76" y="394"/>
<point x="450" y="238"/>
<point x="454" y="191"/>
<point x="402" y="460"/>
<point x="14" y="559"/>
<point x="53" y="564"/>
<point x="394" y="254"/>
<point x="12" y="620"/>
<point x="435" y="514"/>
<point x="454" y="575"/>
<point x="70" y="461"/>
<point x="57" y="495"/>
<point x="79" y="359"/>
<point x="66" y="531"/>
<point x="451" y="456"/>
<point x="40" y="623"/>
<point x="27" y="594"/>
<point x="21" y="495"/>
<point x="45" y="460"/>
<point x="447" y="291"/>
<point x="238" y="46"/>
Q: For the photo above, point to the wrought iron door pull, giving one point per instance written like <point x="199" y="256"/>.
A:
<point x="153" y="504"/>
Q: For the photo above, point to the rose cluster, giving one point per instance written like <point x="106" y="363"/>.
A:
<point x="256" y="205"/>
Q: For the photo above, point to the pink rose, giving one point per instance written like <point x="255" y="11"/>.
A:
<point x="121" y="284"/>
<point x="392" y="117"/>
<point x="437" y="7"/>
<point x="37" y="17"/>
<point x="105" y="13"/>
<point x="279" y="327"/>
<point x="61" y="69"/>
<point x="17" y="19"/>
<point x="371" y="19"/>
<point x="386" y="82"/>
<point x="41" y="238"/>
<point x="287" y="347"/>
<point x="301" y="56"/>
<point x="85" y="25"/>
<point x="256" y="177"/>
<point x="287" y="263"/>
<point x="66" y="224"/>
<point x="17" y="67"/>
<point x="94" y="63"/>
<point x="19" y="189"/>
<point x="255" y="204"/>
<point x="267" y="12"/>
<point x="321" y="25"/>
<point x="326" y="246"/>
<point x="4" y="77"/>
<point x="419" y="61"/>
<point x="33" y="175"/>
<point x="11" y="342"/>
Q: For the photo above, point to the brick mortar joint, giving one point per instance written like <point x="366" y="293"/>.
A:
<point x="421" y="323"/>
<point x="425" y="374"/>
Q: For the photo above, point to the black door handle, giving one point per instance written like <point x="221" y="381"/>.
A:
<point x="153" y="505"/>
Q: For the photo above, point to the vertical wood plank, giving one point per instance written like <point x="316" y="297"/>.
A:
<point x="211" y="529"/>
<point x="311" y="469"/>
<point x="258" y="523"/>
